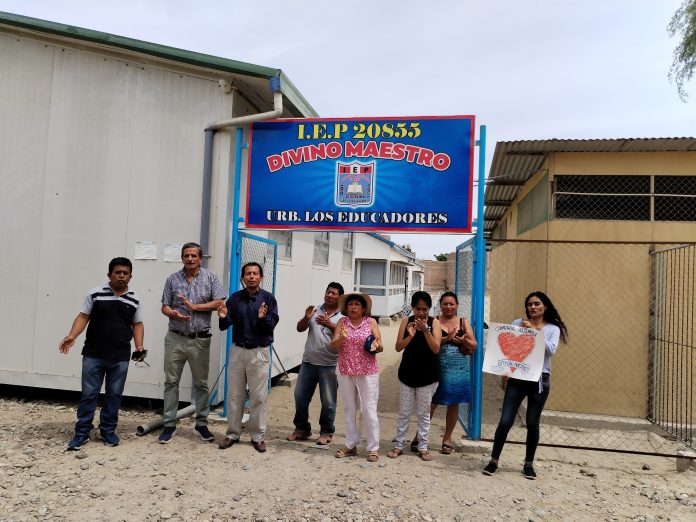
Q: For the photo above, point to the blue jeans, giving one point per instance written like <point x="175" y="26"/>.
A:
<point x="311" y="375"/>
<point x="94" y="372"/>
<point x="515" y="391"/>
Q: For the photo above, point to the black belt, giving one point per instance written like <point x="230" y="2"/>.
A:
<point x="193" y="335"/>
<point x="248" y="346"/>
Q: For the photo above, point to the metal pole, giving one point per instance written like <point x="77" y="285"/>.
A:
<point x="234" y="246"/>
<point x="479" y="287"/>
<point x="205" y="205"/>
<point x="272" y="349"/>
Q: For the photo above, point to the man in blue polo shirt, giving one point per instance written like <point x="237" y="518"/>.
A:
<point x="113" y="315"/>
<point x="189" y="297"/>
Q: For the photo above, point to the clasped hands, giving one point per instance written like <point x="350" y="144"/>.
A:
<point x="263" y="310"/>
<point x="417" y="325"/>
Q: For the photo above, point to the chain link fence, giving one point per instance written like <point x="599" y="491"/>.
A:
<point x="464" y="273"/>
<point x="624" y="380"/>
<point x="672" y="404"/>
<point x="636" y="198"/>
<point x="261" y="251"/>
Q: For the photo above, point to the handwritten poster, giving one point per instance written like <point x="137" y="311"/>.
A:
<point x="514" y="351"/>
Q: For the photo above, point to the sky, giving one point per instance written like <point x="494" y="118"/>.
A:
<point x="533" y="69"/>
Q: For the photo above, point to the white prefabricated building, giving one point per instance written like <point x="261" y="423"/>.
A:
<point x="386" y="271"/>
<point x="102" y="147"/>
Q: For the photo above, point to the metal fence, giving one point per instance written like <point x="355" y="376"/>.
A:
<point x="264" y="252"/>
<point x="672" y="405"/>
<point x="624" y="380"/>
<point x="635" y="198"/>
<point x="464" y="274"/>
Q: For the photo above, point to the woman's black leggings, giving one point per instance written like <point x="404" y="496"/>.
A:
<point x="515" y="391"/>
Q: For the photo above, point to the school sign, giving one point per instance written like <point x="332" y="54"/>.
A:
<point x="398" y="174"/>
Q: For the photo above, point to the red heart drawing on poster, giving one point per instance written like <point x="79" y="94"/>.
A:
<point x="516" y="347"/>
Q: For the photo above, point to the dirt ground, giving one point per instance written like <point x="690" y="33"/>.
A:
<point x="192" y="480"/>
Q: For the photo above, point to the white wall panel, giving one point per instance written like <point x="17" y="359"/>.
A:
<point x="25" y="87"/>
<point x="85" y="195"/>
<point x="97" y="154"/>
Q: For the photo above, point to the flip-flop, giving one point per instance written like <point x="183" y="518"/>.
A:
<point x="324" y="439"/>
<point x="425" y="455"/>
<point x="447" y="448"/>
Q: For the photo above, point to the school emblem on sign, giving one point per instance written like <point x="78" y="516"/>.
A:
<point x="355" y="183"/>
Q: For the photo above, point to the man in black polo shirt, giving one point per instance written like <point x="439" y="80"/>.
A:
<point x="114" y="318"/>
<point x="253" y="314"/>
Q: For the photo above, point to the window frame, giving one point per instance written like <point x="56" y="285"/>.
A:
<point x="323" y="243"/>
<point x="652" y="196"/>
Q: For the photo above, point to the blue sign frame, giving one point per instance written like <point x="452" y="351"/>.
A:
<point x="412" y="174"/>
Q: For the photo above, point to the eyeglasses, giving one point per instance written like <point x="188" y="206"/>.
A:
<point x="142" y="364"/>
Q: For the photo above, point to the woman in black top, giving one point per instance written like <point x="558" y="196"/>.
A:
<point x="419" y="338"/>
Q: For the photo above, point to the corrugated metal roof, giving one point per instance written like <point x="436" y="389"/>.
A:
<point x="514" y="162"/>
<point x="298" y="104"/>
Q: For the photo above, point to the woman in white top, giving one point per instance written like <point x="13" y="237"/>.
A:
<point x="542" y="315"/>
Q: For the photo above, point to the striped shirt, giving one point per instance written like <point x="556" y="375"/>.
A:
<point x="111" y="320"/>
<point x="203" y="288"/>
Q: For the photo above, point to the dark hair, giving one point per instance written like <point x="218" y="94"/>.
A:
<point x="191" y="244"/>
<point x="356" y="297"/>
<point x="551" y="315"/>
<point x="252" y="263"/>
<point x="420" y="295"/>
<point x="120" y="261"/>
<point x="449" y="294"/>
<point x="337" y="286"/>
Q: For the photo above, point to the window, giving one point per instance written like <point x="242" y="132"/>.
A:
<point x="373" y="277"/>
<point x="348" y="251"/>
<point x="284" y="240"/>
<point x="397" y="279"/>
<point x="321" y="248"/>
<point x="603" y="197"/>
<point x="675" y="198"/>
<point x="635" y="198"/>
<point x="416" y="281"/>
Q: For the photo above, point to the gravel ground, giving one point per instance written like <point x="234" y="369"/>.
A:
<point x="192" y="480"/>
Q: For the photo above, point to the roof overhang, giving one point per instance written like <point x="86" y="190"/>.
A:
<point x="515" y="162"/>
<point x="252" y="81"/>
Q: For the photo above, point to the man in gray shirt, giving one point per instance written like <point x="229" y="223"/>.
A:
<point x="318" y="367"/>
<point x="189" y="297"/>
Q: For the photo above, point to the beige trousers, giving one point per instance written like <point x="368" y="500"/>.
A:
<point x="247" y="368"/>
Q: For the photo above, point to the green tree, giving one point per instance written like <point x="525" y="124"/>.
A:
<point x="441" y="257"/>
<point x="683" y="66"/>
